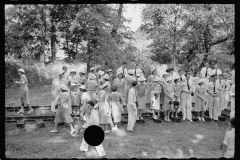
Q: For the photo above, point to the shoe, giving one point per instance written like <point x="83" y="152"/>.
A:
<point x="54" y="131"/>
<point x="107" y="132"/>
<point x="30" y="111"/>
<point x="190" y="120"/>
<point x="176" y="116"/>
<point x="21" y="111"/>
<point x="199" y="118"/>
<point x="203" y="119"/>
<point x="114" y="129"/>
<point x="75" y="135"/>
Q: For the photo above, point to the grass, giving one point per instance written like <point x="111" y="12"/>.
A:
<point x="149" y="140"/>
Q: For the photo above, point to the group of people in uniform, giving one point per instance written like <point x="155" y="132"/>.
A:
<point x="169" y="92"/>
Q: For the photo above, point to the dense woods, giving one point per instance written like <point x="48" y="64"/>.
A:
<point x="97" y="34"/>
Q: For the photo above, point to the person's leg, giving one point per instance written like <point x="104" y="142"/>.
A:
<point x="210" y="106"/>
<point x="189" y="108"/>
<point x="216" y="108"/>
<point x="232" y="105"/>
<point x="84" y="146"/>
<point x="71" y="127"/>
<point x="100" y="150"/>
<point x="184" y="105"/>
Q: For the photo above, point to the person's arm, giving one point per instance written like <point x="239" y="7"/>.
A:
<point x="22" y="81"/>
<point x="232" y="92"/>
<point x="225" y="143"/>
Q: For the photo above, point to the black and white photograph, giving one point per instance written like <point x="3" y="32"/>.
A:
<point x="119" y="81"/>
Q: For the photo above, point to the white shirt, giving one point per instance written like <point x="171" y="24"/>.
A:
<point x="232" y="90"/>
<point x="85" y="98"/>
<point x="94" y="118"/>
<point x="185" y="87"/>
<point x="218" y="71"/>
<point x="203" y="72"/>
<point x="210" y="87"/>
<point x="132" y="97"/>
<point x="229" y="139"/>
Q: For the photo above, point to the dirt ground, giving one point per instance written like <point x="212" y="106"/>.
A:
<point x="149" y="140"/>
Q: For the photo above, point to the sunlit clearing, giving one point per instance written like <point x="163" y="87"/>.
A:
<point x="144" y="154"/>
<point x="57" y="139"/>
<point x="120" y="132"/>
<point x="199" y="136"/>
<point x="194" y="140"/>
<point x="92" y="153"/>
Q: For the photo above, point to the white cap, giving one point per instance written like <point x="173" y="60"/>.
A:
<point x="141" y="79"/>
<point x="106" y="76"/>
<point x="21" y="70"/>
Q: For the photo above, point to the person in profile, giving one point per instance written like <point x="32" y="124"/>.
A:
<point x="93" y="120"/>
<point x="229" y="140"/>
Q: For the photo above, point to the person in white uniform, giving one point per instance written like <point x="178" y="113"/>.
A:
<point x="232" y="95"/>
<point x="93" y="120"/>
<point x="213" y="102"/>
<point x="186" y="98"/>
<point x="228" y="146"/>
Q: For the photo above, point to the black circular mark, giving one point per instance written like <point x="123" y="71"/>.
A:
<point x="163" y="158"/>
<point x="133" y="159"/>
<point x="94" y="135"/>
<point x="222" y="158"/>
<point x="193" y="158"/>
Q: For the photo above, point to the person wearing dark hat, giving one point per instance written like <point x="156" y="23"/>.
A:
<point x="228" y="146"/>
<point x="213" y="101"/>
<point x="63" y="113"/>
<point x="82" y="78"/>
<point x="186" y="98"/>
<point x="181" y="75"/>
<point x="106" y="84"/>
<point x="116" y="102"/>
<point x="131" y="107"/>
<point x="24" y="92"/>
<point x="110" y="74"/>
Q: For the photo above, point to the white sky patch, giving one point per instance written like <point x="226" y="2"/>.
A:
<point x="133" y="11"/>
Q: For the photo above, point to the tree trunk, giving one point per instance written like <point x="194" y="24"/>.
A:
<point x="88" y="55"/>
<point x="43" y="24"/>
<point x="53" y="37"/>
<point x="119" y="15"/>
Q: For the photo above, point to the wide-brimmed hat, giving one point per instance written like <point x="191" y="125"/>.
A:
<point x="225" y="75"/>
<point x="154" y="69"/>
<point x="164" y="73"/>
<point x="73" y="71"/>
<point x="61" y="72"/>
<point x="141" y="79"/>
<point x="119" y="72"/>
<point x="82" y="87"/>
<point x="109" y="70"/>
<point x="131" y="71"/>
<point x="106" y="76"/>
<point x="138" y="75"/>
<point x="168" y="79"/>
<point x="63" y="87"/>
<point x="92" y="69"/>
<point x="100" y="72"/>
<point x="81" y="71"/>
<point x="176" y="77"/>
<point x="92" y="76"/>
<point x="200" y="81"/>
<point x="157" y="79"/>
<point x="21" y="70"/>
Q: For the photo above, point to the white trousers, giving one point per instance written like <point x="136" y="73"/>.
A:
<point x="232" y="105"/>
<point x="186" y="104"/>
<point x="213" y="105"/>
<point x="100" y="149"/>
